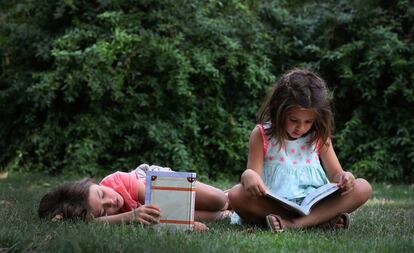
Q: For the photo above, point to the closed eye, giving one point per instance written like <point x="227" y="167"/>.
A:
<point x="102" y="195"/>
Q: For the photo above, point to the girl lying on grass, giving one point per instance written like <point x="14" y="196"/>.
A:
<point x="119" y="198"/>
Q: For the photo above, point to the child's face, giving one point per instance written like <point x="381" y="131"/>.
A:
<point x="104" y="200"/>
<point x="298" y="121"/>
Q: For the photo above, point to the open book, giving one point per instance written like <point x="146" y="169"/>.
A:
<point x="309" y="201"/>
<point x="174" y="193"/>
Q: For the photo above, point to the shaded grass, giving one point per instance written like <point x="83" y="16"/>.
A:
<point x="384" y="224"/>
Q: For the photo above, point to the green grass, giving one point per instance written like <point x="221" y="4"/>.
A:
<point x="384" y="224"/>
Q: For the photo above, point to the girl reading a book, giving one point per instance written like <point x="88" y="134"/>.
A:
<point x="119" y="198"/>
<point x="291" y="154"/>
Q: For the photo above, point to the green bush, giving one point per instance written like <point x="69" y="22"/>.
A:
<point x="125" y="82"/>
<point x="94" y="86"/>
<point x="365" y="52"/>
<point x="372" y="62"/>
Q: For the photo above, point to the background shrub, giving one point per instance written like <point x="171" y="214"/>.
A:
<point x="94" y="86"/>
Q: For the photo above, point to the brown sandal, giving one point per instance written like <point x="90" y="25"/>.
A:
<point x="335" y="223"/>
<point x="271" y="225"/>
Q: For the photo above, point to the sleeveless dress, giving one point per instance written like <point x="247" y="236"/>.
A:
<point x="293" y="170"/>
<point x="290" y="171"/>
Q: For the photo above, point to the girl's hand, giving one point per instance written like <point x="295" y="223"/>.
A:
<point x="253" y="183"/>
<point x="345" y="181"/>
<point x="146" y="214"/>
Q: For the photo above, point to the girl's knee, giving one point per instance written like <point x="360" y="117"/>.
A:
<point x="216" y="199"/>
<point x="237" y="197"/>
<point x="209" y="198"/>
<point x="363" y="189"/>
<point x="233" y="194"/>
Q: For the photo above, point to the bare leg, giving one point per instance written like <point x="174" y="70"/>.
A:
<point x="211" y="216"/>
<point x="256" y="209"/>
<point x="210" y="203"/>
<point x="335" y="205"/>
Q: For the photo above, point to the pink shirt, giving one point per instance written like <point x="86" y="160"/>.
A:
<point x="126" y="184"/>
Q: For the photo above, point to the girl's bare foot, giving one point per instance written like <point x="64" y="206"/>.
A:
<point x="200" y="227"/>
<point x="274" y="222"/>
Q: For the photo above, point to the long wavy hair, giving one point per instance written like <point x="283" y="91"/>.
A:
<point x="67" y="201"/>
<point x="304" y="89"/>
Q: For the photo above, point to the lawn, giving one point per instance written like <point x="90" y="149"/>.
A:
<point x="384" y="224"/>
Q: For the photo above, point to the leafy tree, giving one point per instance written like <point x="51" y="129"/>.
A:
<point x="92" y="86"/>
<point x="114" y="83"/>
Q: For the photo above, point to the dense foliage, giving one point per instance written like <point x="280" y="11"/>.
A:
<point x="92" y="86"/>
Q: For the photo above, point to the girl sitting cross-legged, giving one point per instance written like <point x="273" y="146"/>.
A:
<point x="291" y="153"/>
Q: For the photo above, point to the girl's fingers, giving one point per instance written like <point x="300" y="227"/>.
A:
<point x="251" y="190"/>
<point x="349" y="181"/>
<point x="150" y="219"/>
<point x="344" y="182"/>
<point x="253" y="193"/>
<point x="262" y="189"/>
<point x="147" y="215"/>
<point x="144" y="222"/>
<point x="147" y="219"/>
<point x="345" y="192"/>
<point x="340" y="181"/>
<point x="153" y="212"/>
<point x="151" y="206"/>
<point x="257" y="191"/>
<point x="348" y="187"/>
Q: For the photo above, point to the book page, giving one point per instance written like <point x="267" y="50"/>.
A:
<point x="286" y="203"/>
<point x="319" y="194"/>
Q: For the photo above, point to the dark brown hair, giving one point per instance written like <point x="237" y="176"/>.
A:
<point x="67" y="201"/>
<point x="298" y="88"/>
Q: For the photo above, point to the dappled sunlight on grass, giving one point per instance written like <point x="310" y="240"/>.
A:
<point x="387" y="202"/>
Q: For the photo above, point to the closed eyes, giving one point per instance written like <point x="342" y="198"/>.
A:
<point x="102" y="195"/>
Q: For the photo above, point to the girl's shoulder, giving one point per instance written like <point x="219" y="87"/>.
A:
<point x="264" y="130"/>
<point x="265" y="125"/>
<point x="118" y="177"/>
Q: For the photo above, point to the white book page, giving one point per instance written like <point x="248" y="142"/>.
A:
<point x="319" y="194"/>
<point x="286" y="202"/>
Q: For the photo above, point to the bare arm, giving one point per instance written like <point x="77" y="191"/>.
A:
<point x="334" y="169"/>
<point x="251" y="177"/>
<point x="145" y="214"/>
